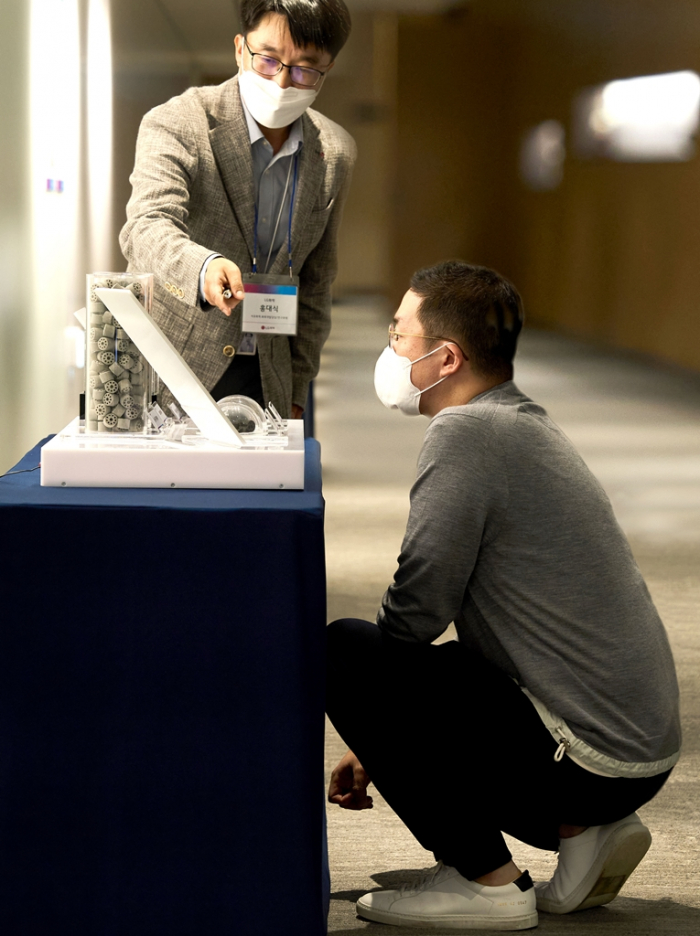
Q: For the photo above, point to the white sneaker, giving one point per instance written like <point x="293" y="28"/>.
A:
<point x="443" y="899"/>
<point x="594" y="865"/>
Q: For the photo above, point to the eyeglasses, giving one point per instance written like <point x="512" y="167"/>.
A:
<point x="394" y="337"/>
<point x="269" y="67"/>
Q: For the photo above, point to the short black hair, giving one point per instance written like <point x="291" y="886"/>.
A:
<point x="324" y="24"/>
<point x="477" y="308"/>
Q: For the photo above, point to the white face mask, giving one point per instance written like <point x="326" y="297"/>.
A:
<point x="392" y="381"/>
<point x="270" y="105"/>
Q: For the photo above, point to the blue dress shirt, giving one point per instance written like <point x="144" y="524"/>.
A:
<point x="270" y="174"/>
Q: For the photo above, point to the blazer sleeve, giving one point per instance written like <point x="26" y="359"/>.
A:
<point x="156" y="237"/>
<point x="315" y="282"/>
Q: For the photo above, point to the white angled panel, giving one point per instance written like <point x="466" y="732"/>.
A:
<point x="170" y="366"/>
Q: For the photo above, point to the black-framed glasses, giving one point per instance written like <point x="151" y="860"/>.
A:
<point x="269" y="66"/>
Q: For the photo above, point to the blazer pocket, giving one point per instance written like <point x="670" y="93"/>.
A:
<point x="319" y="212"/>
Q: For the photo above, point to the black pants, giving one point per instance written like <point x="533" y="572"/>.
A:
<point x="458" y="751"/>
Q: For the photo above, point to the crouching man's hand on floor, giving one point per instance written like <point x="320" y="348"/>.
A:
<point x="348" y="786"/>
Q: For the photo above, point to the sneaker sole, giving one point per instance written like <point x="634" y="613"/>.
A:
<point x="618" y="858"/>
<point x="456" y="922"/>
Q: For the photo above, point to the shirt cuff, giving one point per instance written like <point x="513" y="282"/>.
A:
<point x="203" y="272"/>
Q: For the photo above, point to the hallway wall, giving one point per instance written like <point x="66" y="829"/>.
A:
<point x="455" y="172"/>
<point x="14" y="218"/>
<point x="612" y="253"/>
<point x="360" y="95"/>
<point x="44" y="241"/>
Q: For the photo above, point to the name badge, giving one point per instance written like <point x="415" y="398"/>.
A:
<point x="270" y="304"/>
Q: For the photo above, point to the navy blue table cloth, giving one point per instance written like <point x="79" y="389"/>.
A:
<point x="161" y="709"/>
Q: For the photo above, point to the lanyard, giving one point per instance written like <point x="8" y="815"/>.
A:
<point x="291" y="211"/>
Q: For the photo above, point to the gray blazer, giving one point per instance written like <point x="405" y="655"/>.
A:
<point x="193" y="195"/>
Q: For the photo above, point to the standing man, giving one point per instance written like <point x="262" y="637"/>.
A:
<point x="554" y="716"/>
<point x="244" y="179"/>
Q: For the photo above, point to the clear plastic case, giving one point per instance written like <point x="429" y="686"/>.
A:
<point x="117" y="377"/>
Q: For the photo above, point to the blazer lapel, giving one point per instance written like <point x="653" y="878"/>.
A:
<point x="230" y="143"/>
<point x="312" y="170"/>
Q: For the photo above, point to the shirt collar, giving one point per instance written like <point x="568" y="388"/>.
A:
<point x="290" y="145"/>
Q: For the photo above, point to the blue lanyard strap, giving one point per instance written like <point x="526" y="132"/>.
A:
<point x="291" y="212"/>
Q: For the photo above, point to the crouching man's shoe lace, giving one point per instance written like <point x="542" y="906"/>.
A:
<point x="594" y="865"/>
<point x="443" y="899"/>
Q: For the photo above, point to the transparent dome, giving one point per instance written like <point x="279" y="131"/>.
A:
<point x="245" y="414"/>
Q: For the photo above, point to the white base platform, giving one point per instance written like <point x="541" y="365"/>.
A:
<point x="75" y="459"/>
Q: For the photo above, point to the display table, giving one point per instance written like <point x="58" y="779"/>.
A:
<point x="161" y="710"/>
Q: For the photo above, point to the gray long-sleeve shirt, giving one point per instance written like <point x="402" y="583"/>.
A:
<point x="511" y="537"/>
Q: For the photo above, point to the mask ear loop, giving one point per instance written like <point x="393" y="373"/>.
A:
<point x="422" y="358"/>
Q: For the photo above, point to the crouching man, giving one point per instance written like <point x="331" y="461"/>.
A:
<point x="555" y="715"/>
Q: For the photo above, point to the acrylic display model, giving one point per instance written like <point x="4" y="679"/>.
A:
<point x="117" y="376"/>
<point x="127" y="439"/>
